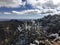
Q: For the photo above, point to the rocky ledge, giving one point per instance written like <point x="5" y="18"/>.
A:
<point x="45" y="31"/>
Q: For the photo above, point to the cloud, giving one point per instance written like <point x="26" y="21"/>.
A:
<point x="17" y="12"/>
<point x="35" y="11"/>
<point x="44" y="3"/>
<point x="33" y="3"/>
<point x="10" y="3"/>
<point x="7" y="13"/>
<point x="56" y="1"/>
<point x="36" y="3"/>
<point x="31" y="11"/>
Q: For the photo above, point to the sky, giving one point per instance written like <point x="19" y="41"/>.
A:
<point x="24" y="6"/>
